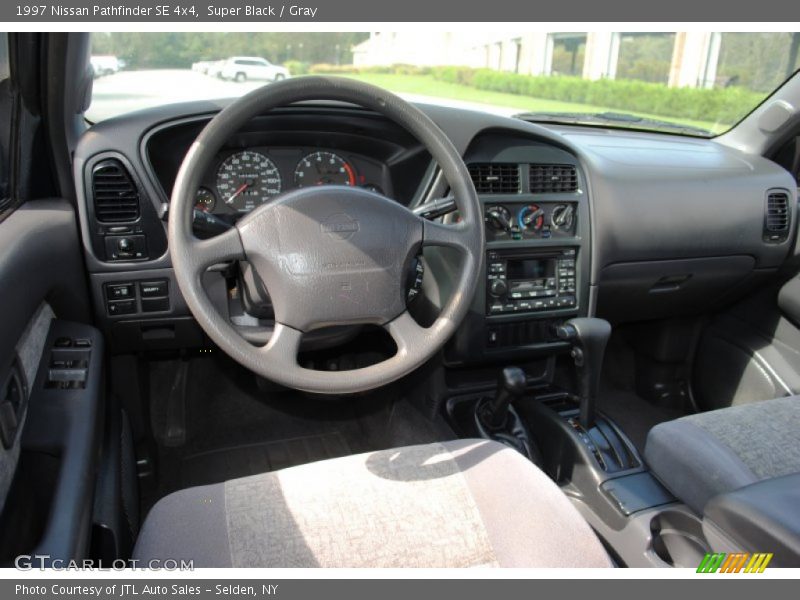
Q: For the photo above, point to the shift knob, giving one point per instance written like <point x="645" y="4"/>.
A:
<point x="589" y="337"/>
<point x="510" y="386"/>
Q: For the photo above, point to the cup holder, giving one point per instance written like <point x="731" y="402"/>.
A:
<point x="677" y="538"/>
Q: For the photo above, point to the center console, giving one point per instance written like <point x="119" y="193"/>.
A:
<point x="530" y="281"/>
<point x="536" y="276"/>
<point x="534" y="309"/>
<point x="536" y="211"/>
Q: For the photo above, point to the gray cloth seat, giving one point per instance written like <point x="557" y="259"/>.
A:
<point x="703" y="455"/>
<point x="464" y="503"/>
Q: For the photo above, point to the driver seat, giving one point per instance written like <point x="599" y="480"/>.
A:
<point x="464" y="503"/>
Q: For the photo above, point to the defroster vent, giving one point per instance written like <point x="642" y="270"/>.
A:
<point x="116" y="197"/>
<point x="495" y="178"/>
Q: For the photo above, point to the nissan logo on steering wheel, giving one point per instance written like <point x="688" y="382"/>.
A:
<point x="339" y="226"/>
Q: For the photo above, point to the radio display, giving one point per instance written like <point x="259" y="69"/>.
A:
<point x="534" y="268"/>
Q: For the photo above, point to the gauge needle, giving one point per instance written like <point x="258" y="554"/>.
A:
<point x="232" y="197"/>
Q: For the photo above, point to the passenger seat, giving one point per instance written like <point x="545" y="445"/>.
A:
<point x="739" y="467"/>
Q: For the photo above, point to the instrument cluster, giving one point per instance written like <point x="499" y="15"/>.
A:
<point x="244" y="179"/>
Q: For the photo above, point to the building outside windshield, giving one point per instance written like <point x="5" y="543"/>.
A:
<point x="691" y="83"/>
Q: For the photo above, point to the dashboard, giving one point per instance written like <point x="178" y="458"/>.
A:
<point x="287" y="150"/>
<point x="245" y="178"/>
<point x="625" y="225"/>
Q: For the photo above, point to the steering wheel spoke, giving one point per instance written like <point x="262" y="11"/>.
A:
<point x="224" y="247"/>
<point x="282" y="348"/>
<point x="450" y="236"/>
<point x="406" y="333"/>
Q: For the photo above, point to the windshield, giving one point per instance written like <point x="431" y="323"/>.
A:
<point x="692" y="83"/>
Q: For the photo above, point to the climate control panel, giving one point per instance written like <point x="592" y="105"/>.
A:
<point x="535" y="281"/>
<point x="532" y="220"/>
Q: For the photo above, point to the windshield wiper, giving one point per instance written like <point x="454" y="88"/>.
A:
<point x="612" y="118"/>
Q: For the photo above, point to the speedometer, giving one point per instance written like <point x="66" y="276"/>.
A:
<point x="247" y="179"/>
<point x="324" y="168"/>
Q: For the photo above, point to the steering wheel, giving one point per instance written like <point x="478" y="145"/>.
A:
<point x="328" y="255"/>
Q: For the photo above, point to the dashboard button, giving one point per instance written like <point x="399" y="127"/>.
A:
<point x="154" y="289"/>
<point x="566" y="301"/>
<point x="119" y="291"/>
<point x="121" y="307"/>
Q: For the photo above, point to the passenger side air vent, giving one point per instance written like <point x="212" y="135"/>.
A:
<point x="116" y="198"/>
<point x="777" y="216"/>
<point x="553" y="179"/>
<point x="495" y="178"/>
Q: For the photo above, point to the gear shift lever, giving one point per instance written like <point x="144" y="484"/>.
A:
<point x="589" y="337"/>
<point x="510" y="387"/>
<point x="496" y="419"/>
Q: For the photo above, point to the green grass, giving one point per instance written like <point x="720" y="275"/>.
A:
<point x="427" y="86"/>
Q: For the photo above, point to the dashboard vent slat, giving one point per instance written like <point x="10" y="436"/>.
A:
<point x="777" y="217"/>
<point x="495" y="178"/>
<point x="116" y="197"/>
<point x="553" y="179"/>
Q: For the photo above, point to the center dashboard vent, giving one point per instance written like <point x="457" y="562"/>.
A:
<point x="495" y="178"/>
<point x="776" y="217"/>
<point x="116" y="197"/>
<point x="553" y="179"/>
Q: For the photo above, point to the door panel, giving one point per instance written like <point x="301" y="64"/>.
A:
<point x="751" y="352"/>
<point x="40" y="261"/>
<point x="43" y="283"/>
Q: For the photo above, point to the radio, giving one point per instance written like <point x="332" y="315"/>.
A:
<point x="531" y="282"/>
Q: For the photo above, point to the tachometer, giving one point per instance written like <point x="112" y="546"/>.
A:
<point x="324" y="168"/>
<point x="247" y="179"/>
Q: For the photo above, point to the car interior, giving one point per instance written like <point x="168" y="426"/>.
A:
<point x="322" y="326"/>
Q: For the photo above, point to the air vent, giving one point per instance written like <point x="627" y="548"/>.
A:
<point x="495" y="178"/>
<point x="116" y="198"/>
<point x="553" y="179"/>
<point x="776" y="218"/>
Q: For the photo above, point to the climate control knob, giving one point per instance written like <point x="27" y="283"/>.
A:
<point x="563" y="216"/>
<point x="531" y="217"/>
<point x="498" y="288"/>
<point x="498" y="218"/>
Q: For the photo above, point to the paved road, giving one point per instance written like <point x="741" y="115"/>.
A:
<point x="133" y="90"/>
